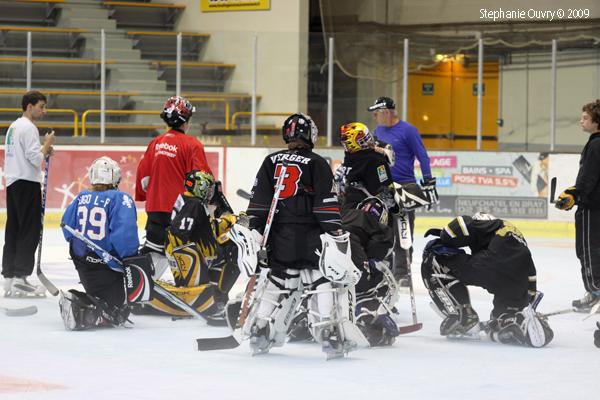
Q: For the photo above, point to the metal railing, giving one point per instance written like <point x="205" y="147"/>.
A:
<point x="119" y="112"/>
<point x="54" y="111"/>
<point x="215" y="100"/>
<point x="249" y="113"/>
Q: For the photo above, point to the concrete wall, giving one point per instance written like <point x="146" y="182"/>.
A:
<point x="282" y="50"/>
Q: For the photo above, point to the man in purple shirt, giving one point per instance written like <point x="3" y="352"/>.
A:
<point x="407" y="145"/>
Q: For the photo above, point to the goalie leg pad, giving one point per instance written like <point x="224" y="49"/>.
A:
<point x="187" y="262"/>
<point x="138" y="278"/>
<point x="275" y="310"/>
<point x="200" y="297"/>
<point x="524" y="328"/>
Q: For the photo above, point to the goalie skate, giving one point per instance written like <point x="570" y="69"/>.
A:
<point x="20" y="287"/>
<point x="333" y="346"/>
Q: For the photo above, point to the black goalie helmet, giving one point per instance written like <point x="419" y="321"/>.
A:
<point x="300" y="126"/>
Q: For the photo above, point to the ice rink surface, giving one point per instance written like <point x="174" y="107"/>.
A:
<point x="156" y="359"/>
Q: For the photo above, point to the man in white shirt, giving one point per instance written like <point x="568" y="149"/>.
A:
<point x="22" y="170"/>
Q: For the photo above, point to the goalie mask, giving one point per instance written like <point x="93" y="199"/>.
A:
<point x="375" y="207"/>
<point x="200" y="184"/>
<point x="105" y="171"/>
<point x="300" y="127"/>
<point x="355" y="137"/>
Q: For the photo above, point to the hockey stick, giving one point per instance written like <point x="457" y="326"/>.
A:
<point x="106" y="256"/>
<point x="243" y="194"/>
<point x="552" y="190"/>
<point x="45" y="281"/>
<point x="19" y="312"/>
<point x="234" y="340"/>
<point x="413" y="305"/>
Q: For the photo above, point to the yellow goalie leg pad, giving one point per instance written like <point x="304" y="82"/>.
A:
<point x="201" y="298"/>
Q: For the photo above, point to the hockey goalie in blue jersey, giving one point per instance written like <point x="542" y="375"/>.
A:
<point x="108" y="217"/>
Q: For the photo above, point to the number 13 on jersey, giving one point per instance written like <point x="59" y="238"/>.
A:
<point x="291" y="180"/>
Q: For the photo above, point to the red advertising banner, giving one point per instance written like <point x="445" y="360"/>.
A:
<point x="69" y="168"/>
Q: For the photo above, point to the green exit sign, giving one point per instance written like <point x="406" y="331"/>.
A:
<point x="427" y="89"/>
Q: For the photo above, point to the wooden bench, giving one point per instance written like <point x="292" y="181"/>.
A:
<point x="144" y="15"/>
<point x="195" y="76"/>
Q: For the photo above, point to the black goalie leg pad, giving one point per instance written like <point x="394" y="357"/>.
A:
<point x="81" y="311"/>
<point x="138" y="278"/>
<point x="446" y="291"/>
<point x="597" y="335"/>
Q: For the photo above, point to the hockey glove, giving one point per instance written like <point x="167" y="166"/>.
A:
<point x="430" y="191"/>
<point x="388" y="152"/>
<point x="566" y="200"/>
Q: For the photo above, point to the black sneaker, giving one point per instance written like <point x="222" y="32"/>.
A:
<point x="586" y="302"/>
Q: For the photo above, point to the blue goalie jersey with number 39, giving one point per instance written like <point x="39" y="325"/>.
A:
<point x="108" y="218"/>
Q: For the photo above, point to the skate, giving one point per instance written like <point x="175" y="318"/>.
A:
<point x="20" y="287"/>
<point x="7" y="286"/>
<point x="461" y="323"/>
<point x="585" y="304"/>
<point x="259" y="340"/>
<point x="217" y="317"/>
<point x="66" y="310"/>
<point x="333" y="347"/>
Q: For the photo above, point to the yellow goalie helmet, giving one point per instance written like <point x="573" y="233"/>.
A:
<point x="355" y="137"/>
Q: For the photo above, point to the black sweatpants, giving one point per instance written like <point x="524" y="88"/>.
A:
<point x="23" y="224"/>
<point x="156" y="234"/>
<point x="587" y="246"/>
<point x="99" y="280"/>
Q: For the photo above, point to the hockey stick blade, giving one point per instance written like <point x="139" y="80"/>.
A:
<point x="47" y="284"/>
<point x="410" y="328"/>
<point x="19" y="312"/>
<point x="243" y="194"/>
<point x="552" y="190"/>
<point x="217" y="343"/>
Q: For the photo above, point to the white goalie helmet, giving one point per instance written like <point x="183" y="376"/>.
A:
<point x="105" y="171"/>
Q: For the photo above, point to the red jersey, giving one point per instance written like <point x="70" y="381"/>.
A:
<point x="162" y="169"/>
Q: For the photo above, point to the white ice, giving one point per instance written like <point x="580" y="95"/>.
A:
<point x="156" y="359"/>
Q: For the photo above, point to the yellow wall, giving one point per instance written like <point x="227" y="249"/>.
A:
<point x="453" y="108"/>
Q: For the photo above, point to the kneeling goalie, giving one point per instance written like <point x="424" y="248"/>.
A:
<point x="107" y="217"/>
<point x="501" y="263"/>
<point x="201" y="257"/>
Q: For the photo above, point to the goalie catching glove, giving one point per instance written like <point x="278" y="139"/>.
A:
<point x="335" y="259"/>
<point x="567" y="199"/>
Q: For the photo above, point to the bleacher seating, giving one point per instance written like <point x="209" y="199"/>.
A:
<point x="46" y="41"/>
<point x="130" y="14"/>
<point x="156" y="45"/>
<point x="30" y="12"/>
<point x="66" y="65"/>
<point x="195" y="76"/>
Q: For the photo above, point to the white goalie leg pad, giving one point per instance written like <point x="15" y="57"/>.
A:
<point x="248" y="244"/>
<point x="335" y="259"/>
<point x="161" y="264"/>
<point x="276" y="301"/>
<point x="331" y="305"/>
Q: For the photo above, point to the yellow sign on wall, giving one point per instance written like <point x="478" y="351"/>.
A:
<point x="234" y="5"/>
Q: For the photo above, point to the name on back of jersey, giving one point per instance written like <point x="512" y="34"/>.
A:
<point x="289" y="157"/>
<point x="87" y="199"/>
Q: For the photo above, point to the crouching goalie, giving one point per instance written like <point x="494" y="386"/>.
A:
<point x="107" y="217"/>
<point x="201" y="256"/>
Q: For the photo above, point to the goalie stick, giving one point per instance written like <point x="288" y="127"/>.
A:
<point x="43" y="279"/>
<point x="234" y="340"/>
<point x="19" y="312"/>
<point x="106" y="256"/>
<point x="243" y="194"/>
